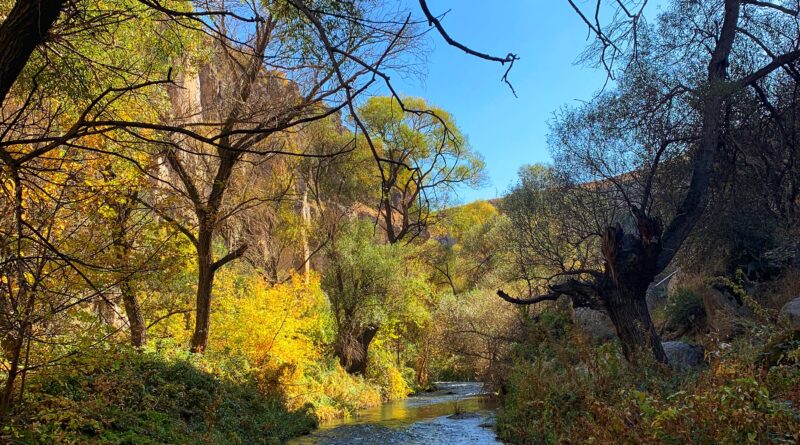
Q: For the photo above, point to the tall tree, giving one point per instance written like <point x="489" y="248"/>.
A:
<point x="630" y="257"/>
<point x="245" y="100"/>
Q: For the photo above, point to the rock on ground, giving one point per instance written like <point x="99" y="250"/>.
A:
<point x="682" y="355"/>
<point x="791" y="312"/>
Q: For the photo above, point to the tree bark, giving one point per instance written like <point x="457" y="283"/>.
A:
<point x="13" y="349"/>
<point x="205" y="281"/>
<point x="630" y="267"/>
<point x="627" y="309"/>
<point x="717" y="90"/>
<point x="133" y="310"/>
<point x="305" y="212"/>
<point x="353" y="352"/>
<point x="22" y="31"/>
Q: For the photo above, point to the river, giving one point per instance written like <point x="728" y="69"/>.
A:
<point x="456" y="413"/>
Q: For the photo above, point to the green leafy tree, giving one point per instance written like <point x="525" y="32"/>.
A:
<point x="364" y="281"/>
<point x="424" y="158"/>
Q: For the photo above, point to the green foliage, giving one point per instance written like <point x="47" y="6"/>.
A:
<point x="429" y="155"/>
<point x="121" y="396"/>
<point x="467" y="250"/>
<point x="392" y="377"/>
<point x="684" y="311"/>
<point x="336" y="394"/>
<point x="364" y="279"/>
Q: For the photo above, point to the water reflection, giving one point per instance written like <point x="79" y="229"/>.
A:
<point x="421" y="419"/>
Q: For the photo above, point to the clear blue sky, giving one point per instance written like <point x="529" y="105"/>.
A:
<point x="509" y="132"/>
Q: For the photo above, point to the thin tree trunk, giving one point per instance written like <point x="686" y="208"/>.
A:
<point x="15" y="338"/>
<point x="205" y="281"/>
<point x="15" y="351"/>
<point x="305" y="211"/>
<point x="133" y="312"/>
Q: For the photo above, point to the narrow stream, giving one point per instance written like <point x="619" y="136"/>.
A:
<point x="456" y="413"/>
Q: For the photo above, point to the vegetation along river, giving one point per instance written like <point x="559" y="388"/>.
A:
<point x="455" y="413"/>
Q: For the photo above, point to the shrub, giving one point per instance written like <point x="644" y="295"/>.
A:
<point x="334" y="393"/>
<point x="685" y="312"/>
<point x="120" y="396"/>
<point x="561" y="391"/>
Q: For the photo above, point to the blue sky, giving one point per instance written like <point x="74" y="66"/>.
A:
<point x="509" y="132"/>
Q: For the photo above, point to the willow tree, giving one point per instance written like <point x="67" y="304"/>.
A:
<point x="424" y="159"/>
<point x="370" y="285"/>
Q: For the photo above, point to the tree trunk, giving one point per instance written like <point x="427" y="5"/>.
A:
<point x="421" y="364"/>
<point x="25" y="28"/>
<point x="627" y="309"/>
<point x="13" y="351"/>
<point x="133" y="312"/>
<point x="631" y="265"/>
<point x="205" y="280"/>
<point x="305" y="212"/>
<point x="19" y="328"/>
<point x="353" y="351"/>
<point x="713" y="100"/>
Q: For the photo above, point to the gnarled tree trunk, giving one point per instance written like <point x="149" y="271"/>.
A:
<point x="628" y="311"/>
<point x="352" y="348"/>
<point x="630" y="268"/>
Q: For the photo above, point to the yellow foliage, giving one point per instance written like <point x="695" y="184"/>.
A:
<point x="395" y="385"/>
<point x="281" y="332"/>
<point x="334" y="393"/>
<point x="273" y="326"/>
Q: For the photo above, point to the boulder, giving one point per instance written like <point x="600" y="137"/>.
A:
<point x="596" y="325"/>
<point x="785" y="255"/>
<point x="791" y="312"/>
<point x="771" y="263"/>
<point x="682" y="355"/>
<point x="724" y="311"/>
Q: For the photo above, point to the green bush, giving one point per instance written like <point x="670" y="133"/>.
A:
<point x="126" y="397"/>
<point x="685" y="312"/>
